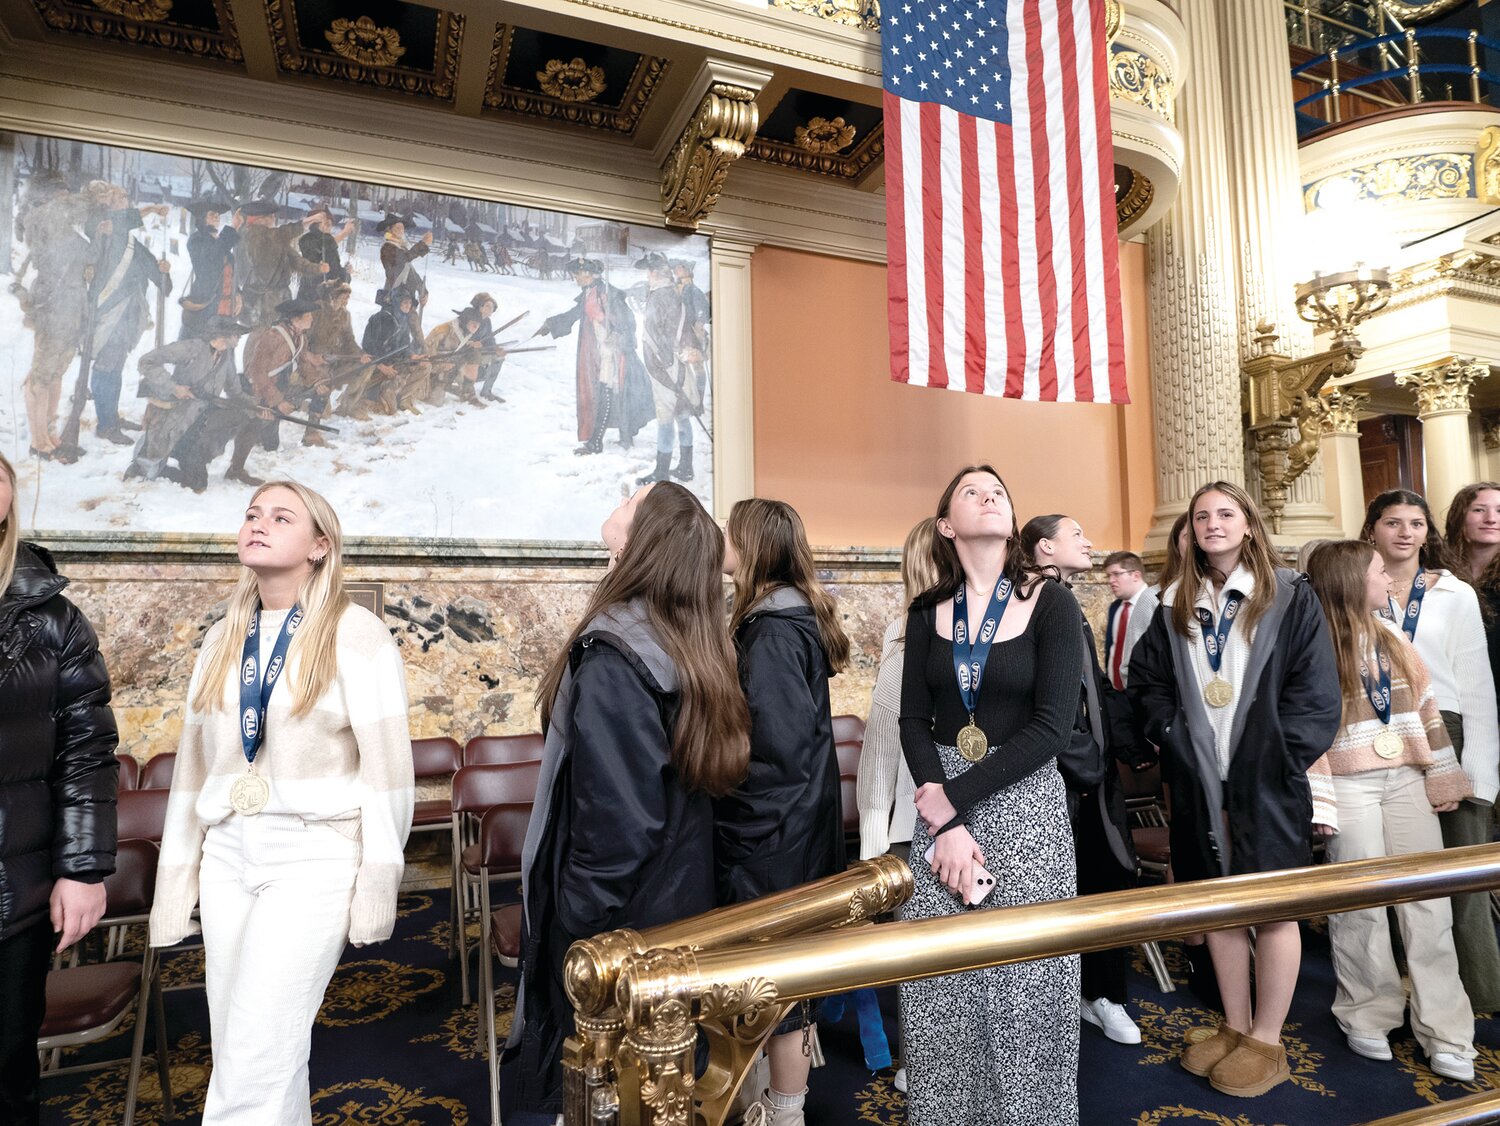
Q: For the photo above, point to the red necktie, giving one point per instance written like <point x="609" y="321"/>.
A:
<point x="1119" y="653"/>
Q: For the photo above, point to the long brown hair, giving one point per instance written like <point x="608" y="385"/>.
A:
<point x="323" y="603"/>
<point x="1171" y="570"/>
<point x="1037" y="529"/>
<point x="950" y="572"/>
<point x="1458" y="543"/>
<point x="771" y="551"/>
<point x="1255" y="554"/>
<point x="1336" y="571"/>
<point x="10" y="529"/>
<point x="1433" y="554"/>
<point x="673" y="562"/>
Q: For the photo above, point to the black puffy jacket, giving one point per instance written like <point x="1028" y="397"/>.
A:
<point x="782" y="826"/>
<point x="57" y="745"/>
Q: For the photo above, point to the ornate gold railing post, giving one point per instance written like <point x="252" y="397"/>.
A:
<point x="654" y="1067"/>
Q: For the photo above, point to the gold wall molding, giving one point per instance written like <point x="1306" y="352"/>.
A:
<point x="1136" y="77"/>
<point x="1444" y="389"/>
<point x="715" y="137"/>
<point x="1337" y="411"/>
<point x="850" y="13"/>
<point x="1487" y="166"/>
<point x="1416" y="178"/>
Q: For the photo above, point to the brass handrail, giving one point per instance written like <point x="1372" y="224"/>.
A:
<point x="1471" y="1110"/>
<point x="734" y="994"/>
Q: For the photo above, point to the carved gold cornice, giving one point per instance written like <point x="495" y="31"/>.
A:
<point x="1337" y="411"/>
<point x="715" y="137"/>
<point x="1444" y="389"/>
<point x="1136" y="200"/>
<point x="130" y="21"/>
<point x="1416" y="178"/>
<point x="1135" y="76"/>
<point x="850" y="165"/>
<point x="1487" y="166"/>
<point x="850" y="13"/>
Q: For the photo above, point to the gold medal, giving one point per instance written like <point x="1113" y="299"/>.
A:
<point x="1218" y="692"/>
<point x="971" y="742"/>
<point x="249" y="794"/>
<point x="1388" y="744"/>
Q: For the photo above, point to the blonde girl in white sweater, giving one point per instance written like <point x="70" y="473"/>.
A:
<point x="1390" y="772"/>
<point x="290" y="806"/>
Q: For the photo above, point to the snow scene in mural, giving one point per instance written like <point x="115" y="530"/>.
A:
<point x="470" y="369"/>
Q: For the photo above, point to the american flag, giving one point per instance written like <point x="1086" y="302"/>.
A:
<point x="1003" y="258"/>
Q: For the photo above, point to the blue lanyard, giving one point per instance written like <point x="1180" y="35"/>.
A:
<point x="255" y="687"/>
<point x="1214" y="639"/>
<point x="1413" y="612"/>
<point x="1380" y="695"/>
<point x="968" y="660"/>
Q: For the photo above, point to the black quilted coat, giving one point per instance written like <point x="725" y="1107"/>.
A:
<point x="57" y="745"/>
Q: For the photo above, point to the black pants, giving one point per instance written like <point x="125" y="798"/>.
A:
<point x="1104" y="971"/>
<point x="24" y="961"/>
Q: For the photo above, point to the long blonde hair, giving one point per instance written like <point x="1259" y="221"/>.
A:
<point x="918" y="571"/>
<point x="10" y="530"/>
<point x="1336" y="570"/>
<point x="772" y="551"/>
<point x="1256" y="555"/>
<point x="323" y="602"/>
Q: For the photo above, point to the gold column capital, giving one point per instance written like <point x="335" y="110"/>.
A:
<point x="1339" y="410"/>
<point x="1444" y="389"/>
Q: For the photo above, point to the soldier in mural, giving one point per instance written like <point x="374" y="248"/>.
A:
<point x="453" y="348"/>
<point x="211" y="291"/>
<point x="60" y="235"/>
<point x="695" y="348"/>
<point x="331" y="339"/>
<point x="399" y="261"/>
<point x="272" y="355"/>
<point x="125" y="271"/>
<point x="489" y="370"/>
<point x="613" y="389"/>
<point x="388" y="338"/>
<point x="266" y="260"/>
<point x="674" y="390"/>
<point x="191" y="410"/>
<point x="321" y="246"/>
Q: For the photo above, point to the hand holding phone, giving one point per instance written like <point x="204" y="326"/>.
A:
<point x="983" y="884"/>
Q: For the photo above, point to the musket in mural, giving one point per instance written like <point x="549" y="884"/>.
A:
<point x="177" y="330"/>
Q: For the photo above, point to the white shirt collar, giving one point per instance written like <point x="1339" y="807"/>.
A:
<point x="1240" y="579"/>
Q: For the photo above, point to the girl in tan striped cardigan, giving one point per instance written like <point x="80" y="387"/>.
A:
<point x="1378" y="791"/>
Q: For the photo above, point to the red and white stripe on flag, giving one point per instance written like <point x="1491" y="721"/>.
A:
<point x="1003" y="245"/>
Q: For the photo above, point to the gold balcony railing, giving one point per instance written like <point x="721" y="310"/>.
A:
<point x="1469" y="1111"/>
<point x="641" y="1072"/>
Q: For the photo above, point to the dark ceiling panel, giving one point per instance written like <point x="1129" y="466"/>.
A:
<point x="389" y="45"/>
<point x="821" y="134"/>
<point x="555" y="78"/>
<point x="201" y="28"/>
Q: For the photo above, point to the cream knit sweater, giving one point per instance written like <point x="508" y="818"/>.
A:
<point x="347" y="761"/>
<point x="884" y="789"/>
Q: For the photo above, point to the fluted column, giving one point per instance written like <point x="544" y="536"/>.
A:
<point x="1443" y="406"/>
<point x="1195" y="352"/>
<point x="1339" y="451"/>
<point x="733" y="372"/>
<point x="1266" y="192"/>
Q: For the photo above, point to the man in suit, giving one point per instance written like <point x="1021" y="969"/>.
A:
<point x="1129" y="614"/>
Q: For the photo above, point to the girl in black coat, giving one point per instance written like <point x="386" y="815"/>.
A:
<point x="1237" y="684"/>
<point x="782" y="826"/>
<point x="644" y="726"/>
<point x="57" y="792"/>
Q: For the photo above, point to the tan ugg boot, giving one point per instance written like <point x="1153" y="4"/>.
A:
<point x="1251" y="1069"/>
<point x="1202" y="1057"/>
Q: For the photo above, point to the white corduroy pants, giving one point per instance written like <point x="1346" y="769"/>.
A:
<point x="1386" y="813"/>
<point x="274" y="894"/>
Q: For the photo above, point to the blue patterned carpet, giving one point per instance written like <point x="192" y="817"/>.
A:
<point x="394" y="1048"/>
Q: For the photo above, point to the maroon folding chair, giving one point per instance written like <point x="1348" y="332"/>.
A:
<point x="483" y="749"/>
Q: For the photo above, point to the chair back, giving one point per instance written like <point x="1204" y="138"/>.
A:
<point x="503" y="748"/>
<point x="157" y="773"/>
<point x="848" y="758"/>
<point x="436" y="758"/>
<point x="130" y="770"/>
<point x="848" y="729"/>
<point x="849" y="805"/>
<point x="142" y="814"/>
<point x="131" y="887"/>
<point x="502" y="832"/>
<point x="1144" y="784"/>
<point x="481" y="787"/>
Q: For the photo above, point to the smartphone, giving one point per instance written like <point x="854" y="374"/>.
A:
<point x="983" y="884"/>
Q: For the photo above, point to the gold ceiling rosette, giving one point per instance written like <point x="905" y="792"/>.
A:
<point x="820" y="135"/>
<point x="573" y="81"/>
<point x="146" y="11"/>
<point x="363" y="41"/>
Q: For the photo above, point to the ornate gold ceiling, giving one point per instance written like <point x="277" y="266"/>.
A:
<point x="557" y="79"/>
<point x="816" y="133"/>
<point x="203" y="29"/>
<point x="403" y="47"/>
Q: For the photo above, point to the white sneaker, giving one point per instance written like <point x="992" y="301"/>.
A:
<point x="1450" y="1065"/>
<point x="900" y="1081"/>
<point x="1112" y="1018"/>
<point x="1371" y="1047"/>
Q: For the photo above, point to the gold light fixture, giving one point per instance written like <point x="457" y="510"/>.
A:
<point x="1335" y="303"/>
